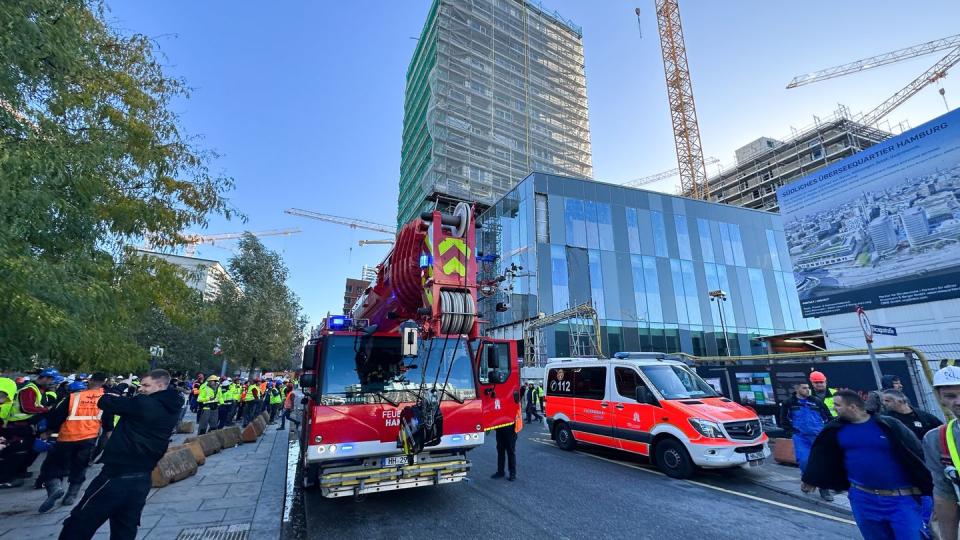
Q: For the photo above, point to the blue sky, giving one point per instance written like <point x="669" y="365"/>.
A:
<point x="304" y="100"/>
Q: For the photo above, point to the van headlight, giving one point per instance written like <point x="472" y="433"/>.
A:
<point x="707" y="428"/>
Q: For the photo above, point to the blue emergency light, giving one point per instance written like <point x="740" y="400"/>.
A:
<point x="338" y="322"/>
<point x="426" y="261"/>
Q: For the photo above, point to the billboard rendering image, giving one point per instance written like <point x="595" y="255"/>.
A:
<point x="880" y="228"/>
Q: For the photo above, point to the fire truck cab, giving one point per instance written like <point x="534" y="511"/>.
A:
<point x="358" y="387"/>
<point x="648" y="404"/>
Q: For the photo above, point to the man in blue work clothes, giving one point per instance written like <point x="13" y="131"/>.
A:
<point x="802" y="417"/>
<point x="879" y="462"/>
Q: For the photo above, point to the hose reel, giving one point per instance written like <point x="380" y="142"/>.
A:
<point x="458" y="311"/>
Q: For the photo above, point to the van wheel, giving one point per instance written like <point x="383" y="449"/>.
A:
<point x="674" y="460"/>
<point x="564" y="437"/>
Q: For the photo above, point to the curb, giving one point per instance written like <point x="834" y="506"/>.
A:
<point x="799" y="495"/>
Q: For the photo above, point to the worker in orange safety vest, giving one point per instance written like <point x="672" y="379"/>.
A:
<point x="77" y="421"/>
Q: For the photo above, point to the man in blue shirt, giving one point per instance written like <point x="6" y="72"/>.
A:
<point x="879" y="461"/>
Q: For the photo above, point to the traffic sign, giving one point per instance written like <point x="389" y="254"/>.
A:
<point x="884" y="330"/>
<point x="865" y="324"/>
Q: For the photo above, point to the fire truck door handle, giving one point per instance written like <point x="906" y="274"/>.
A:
<point x="619" y="406"/>
<point x="604" y="404"/>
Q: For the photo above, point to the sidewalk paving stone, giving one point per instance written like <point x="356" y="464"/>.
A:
<point x="240" y="485"/>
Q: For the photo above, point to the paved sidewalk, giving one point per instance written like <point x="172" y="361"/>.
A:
<point x="785" y="479"/>
<point x="240" y="490"/>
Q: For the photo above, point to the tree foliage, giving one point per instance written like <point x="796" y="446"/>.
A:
<point x="91" y="157"/>
<point x="259" y="315"/>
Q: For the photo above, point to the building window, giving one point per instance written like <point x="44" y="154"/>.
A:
<point x="541" y="218"/>
<point x="706" y="241"/>
<point x="659" y="233"/>
<point x="683" y="237"/>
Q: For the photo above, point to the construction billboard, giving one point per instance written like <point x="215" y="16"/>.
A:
<point x="880" y="228"/>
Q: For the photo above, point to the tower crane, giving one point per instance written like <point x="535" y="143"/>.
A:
<point x="683" y="111"/>
<point x="385" y="241"/>
<point x="194" y="240"/>
<point x="644" y="180"/>
<point x="931" y="75"/>
<point x="353" y="223"/>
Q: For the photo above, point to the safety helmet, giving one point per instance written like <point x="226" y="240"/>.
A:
<point x="59" y="379"/>
<point x="816" y="376"/>
<point x="213" y="378"/>
<point x="77" y="386"/>
<point x="948" y="376"/>
<point x="49" y="372"/>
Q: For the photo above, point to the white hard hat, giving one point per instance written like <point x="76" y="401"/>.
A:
<point x="948" y="376"/>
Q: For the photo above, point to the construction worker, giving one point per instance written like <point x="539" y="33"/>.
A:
<point x="820" y="391"/>
<point x="540" y="395"/>
<point x="194" y="392"/>
<point x="78" y="422"/>
<point x="227" y="396"/>
<point x="208" y="403"/>
<point x="507" y="448"/>
<point x="20" y="429"/>
<point x="274" y="400"/>
<point x="941" y="455"/>
<point x="8" y="393"/>
<point x="250" y="400"/>
<point x="138" y="442"/>
<point x="802" y="417"/>
<point x="289" y="406"/>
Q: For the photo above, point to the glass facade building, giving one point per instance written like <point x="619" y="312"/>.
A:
<point x="646" y="261"/>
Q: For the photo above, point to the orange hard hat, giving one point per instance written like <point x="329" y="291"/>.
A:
<point x="816" y="376"/>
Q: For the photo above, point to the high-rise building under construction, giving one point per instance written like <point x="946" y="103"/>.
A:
<point x="495" y="90"/>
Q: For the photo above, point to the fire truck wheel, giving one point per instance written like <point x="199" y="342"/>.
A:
<point x="673" y="459"/>
<point x="564" y="437"/>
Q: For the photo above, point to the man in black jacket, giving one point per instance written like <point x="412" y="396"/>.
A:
<point x="879" y="461"/>
<point x="137" y="443"/>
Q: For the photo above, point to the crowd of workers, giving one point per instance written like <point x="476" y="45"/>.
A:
<point x="125" y="424"/>
<point x="219" y="404"/>
<point x="897" y="463"/>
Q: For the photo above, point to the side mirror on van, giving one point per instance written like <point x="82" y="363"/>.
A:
<point x="644" y="395"/>
<point x="308" y="380"/>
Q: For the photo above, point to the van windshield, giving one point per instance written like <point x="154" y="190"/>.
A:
<point x="675" y="382"/>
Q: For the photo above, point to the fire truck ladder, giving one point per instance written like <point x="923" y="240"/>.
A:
<point x="584" y="333"/>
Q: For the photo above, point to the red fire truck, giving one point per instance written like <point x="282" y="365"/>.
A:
<point x="400" y="391"/>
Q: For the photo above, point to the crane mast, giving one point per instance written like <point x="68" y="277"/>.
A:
<point x="683" y="111"/>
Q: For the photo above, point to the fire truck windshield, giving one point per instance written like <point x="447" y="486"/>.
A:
<point x="367" y="370"/>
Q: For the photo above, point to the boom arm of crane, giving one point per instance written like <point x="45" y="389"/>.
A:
<point x="430" y="276"/>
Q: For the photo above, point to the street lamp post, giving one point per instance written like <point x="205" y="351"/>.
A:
<point x="721" y="296"/>
<point x="156" y="353"/>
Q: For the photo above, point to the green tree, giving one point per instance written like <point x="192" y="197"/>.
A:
<point x="91" y="157"/>
<point x="259" y="315"/>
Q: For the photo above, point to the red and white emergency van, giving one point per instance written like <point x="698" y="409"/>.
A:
<point x="650" y="405"/>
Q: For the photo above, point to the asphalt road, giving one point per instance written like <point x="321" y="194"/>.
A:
<point x="589" y="493"/>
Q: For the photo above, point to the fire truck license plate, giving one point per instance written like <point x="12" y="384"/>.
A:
<point x="755" y="456"/>
<point x="394" y="461"/>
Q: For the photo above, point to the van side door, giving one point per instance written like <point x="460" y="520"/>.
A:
<point x="592" y="421"/>
<point x="632" y="421"/>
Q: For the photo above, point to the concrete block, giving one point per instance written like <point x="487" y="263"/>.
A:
<point x="266" y="417"/>
<point x="249" y="433"/>
<point x="261" y="425"/>
<point x="783" y="451"/>
<point x="210" y="442"/>
<point x="229" y="437"/>
<point x="178" y="463"/>
<point x="197" y="450"/>
<point x="186" y="427"/>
